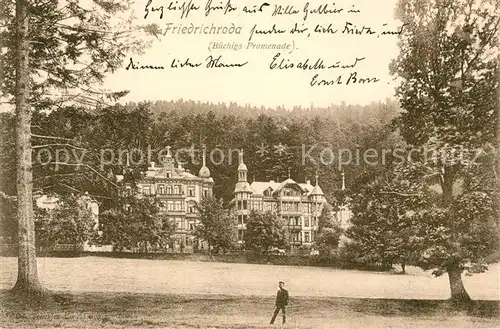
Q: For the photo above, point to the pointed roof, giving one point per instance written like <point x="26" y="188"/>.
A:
<point x="204" y="171"/>
<point x="286" y="182"/>
<point x="243" y="187"/>
<point x="317" y="190"/>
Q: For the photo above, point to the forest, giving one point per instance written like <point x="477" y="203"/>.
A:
<point x="151" y="127"/>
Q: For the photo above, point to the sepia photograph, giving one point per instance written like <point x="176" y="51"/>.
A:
<point x="249" y="164"/>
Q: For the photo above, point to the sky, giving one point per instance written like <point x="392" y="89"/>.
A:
<point x="256" y="83"/>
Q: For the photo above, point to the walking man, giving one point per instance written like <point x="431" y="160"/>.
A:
<point x="281" y="302"/>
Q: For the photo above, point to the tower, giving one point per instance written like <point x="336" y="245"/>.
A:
<point x="242" y="195"/>
<point x="242" y="168"/>
<point x="317" y="193"/>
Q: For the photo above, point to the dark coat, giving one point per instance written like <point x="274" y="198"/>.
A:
<point x="282" y="298"/>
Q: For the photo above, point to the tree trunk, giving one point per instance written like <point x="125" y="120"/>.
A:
<point x="403" y="268"/>
<point x="27" y="274"/>
<point x="458" y="293"/>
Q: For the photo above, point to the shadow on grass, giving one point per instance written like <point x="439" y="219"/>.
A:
<point x="121" y="303"/>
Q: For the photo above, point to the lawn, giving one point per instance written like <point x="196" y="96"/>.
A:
<point x="99" y="292"/>
<point x="100" y="274"/>
<point x="122" y="310"/>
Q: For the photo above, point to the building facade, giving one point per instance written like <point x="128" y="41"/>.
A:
<point x="178" y="192"/>
<point x="299" y="205"/>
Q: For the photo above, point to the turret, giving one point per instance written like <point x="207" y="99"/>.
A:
<point x="204" y="171"/>
<point x="242" y="186"/>
<point x="317" y="193"/>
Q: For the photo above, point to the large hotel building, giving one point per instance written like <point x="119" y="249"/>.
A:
<point x="178" y="192"/>
<point x="298" y="204"/>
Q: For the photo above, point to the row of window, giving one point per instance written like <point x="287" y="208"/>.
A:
<point x="177" y="206"/>
<point x="173" y="189"/>
<point x="272" y="206"/>
<point x="297" y="221"/>
<point x="293" y="221"/>
<point x="183" y="224"/>
<point x="172" y="205"/>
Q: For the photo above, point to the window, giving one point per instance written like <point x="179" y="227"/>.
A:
<point x="177" y="189"/>
<point x="245" y="219"/>
<point x="306" y="236"/>
<point x="240" y="219"/>
<point x="178" y="223"/>
<point x="170" y="205"/>
<point x="169" y="174"/>
<point x="306" y="222"/>
<point x="146" y="190"/>
<point x="191" y="209"/>
<point x="205" y="192"/>
<point x="178" y="206"/>
<point x="191" y="191"/>
<point x="169" y="189"/>
<point x="161" y="189"/>
<point x="191" y="226"/>
<point x="245" y="204"/>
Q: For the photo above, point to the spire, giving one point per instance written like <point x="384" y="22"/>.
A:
<point x="204" y="171"/>
<point x="343" y="180"/>
<point x="240" y="156"/>
<point x="317" y="190"/>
